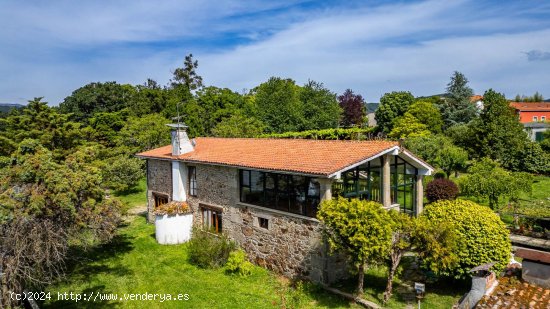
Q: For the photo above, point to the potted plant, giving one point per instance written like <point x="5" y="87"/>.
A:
<point x="173" y="223"/>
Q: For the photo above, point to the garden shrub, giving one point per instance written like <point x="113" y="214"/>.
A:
<point x="237" y="263"/>
<point x="209" y="250"/>
<point x="482" y="236"/>
<point x="441" y="189"/>
<point x="440" y="175"/>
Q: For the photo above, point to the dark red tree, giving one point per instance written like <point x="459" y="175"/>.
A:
<point x="354" y="108"/>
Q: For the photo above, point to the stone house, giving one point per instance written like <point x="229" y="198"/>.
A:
<point x="264" y="193"/>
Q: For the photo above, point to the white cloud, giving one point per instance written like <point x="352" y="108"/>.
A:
<point x="50" y="50"/>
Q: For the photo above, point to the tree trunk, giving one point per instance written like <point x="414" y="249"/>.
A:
<point x="394" y="263"/>
<point x="361" y="278"/>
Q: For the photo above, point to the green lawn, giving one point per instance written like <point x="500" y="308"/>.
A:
<point x="133" y="197"/>
<point x="135" y="263"/>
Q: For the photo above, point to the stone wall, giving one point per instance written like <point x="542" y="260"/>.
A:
<point x="291" y="245"/>
<point x="159" y="180"/>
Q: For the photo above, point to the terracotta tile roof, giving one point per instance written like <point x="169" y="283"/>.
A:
<point x="476" y="98"/>
<point x="314" y="157"/>
<point x="531" y="106"/>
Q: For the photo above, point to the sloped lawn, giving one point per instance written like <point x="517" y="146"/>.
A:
<point x="135" y="263"/>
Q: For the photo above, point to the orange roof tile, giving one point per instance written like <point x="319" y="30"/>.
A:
<point x="317" y="157"/>
<point x="531" y="106"/>
<point x="476" y="98"/>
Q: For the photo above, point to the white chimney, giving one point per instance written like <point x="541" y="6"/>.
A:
<point x="180" y="141"/>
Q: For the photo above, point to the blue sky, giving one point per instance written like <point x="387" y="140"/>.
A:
<point x="51" y="48"/>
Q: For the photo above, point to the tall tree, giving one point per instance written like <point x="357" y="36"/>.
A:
<point x="361" y="229"/>
<point x="392" y="105"/>
<point x="456" y="108"/>
<point x="497" y="132"/>
<point x="39" y="121"/>
<point x="187" y="76"/>
<point x="486" y="179"/>
<point x="353" y="106"/>
<point x="217" y="104"/>
<point x="279" y="105"/>
<point x="427" y="113"/>
<point x="320" y="107"/>
<point x="84" y="102"/>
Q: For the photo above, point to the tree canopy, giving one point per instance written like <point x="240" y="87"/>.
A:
<point x="392" y="105"/>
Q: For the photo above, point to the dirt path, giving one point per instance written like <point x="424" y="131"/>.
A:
<point x="135" y="211"/>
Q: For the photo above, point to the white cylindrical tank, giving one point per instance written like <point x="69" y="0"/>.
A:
<point x="173" y="229"/>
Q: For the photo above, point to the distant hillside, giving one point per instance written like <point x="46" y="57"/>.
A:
<point x="6" y="107"/>
<point x="371" y="107"/>
<point x="547" y="100"/>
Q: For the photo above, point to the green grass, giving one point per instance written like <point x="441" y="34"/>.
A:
<point x="439" y="295"/>
<point x="135" y="263"/>
<point x="133" y="197"/>
<point x="539" y="195"/>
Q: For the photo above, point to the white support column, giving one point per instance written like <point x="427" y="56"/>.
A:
<point x="386" y="185"/>
<point x="179" y="180"/>
<point x="325" y="185"/>
<point x="419" y="195"/>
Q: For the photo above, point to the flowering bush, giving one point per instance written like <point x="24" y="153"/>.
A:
<point x="173" y="208"/>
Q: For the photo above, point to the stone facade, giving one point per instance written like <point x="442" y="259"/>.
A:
<point x="291" y="245"/>
<point x="159" y="181"/>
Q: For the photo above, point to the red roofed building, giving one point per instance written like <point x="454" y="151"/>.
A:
<point x="532" y="111"/>
<point x="264" y="193"/>
<point x="535" y="117"/>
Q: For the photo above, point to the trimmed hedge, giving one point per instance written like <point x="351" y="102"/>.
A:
<point x="441" y="189"/>
<point x="327" y="134"/>
<point x="483" y="237"/>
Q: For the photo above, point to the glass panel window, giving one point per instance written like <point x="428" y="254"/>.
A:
<point x="160" y="199"/>
<point x="290" y="193"/>
<point x="212" y="219"/>
<point x="192" y="180"/>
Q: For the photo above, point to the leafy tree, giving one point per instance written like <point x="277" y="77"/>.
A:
<point x="360" y="228"/>
<point x="353" y="106"/>
<point x="140" y="134"/>
<point x="149" y="98"/>
<point x="403" y="230"/>
<point x="537" y="97"/>
<point x="44" y="205"/>
<point x="279" y="106"/>
<point x="84" y="102"/>
<point x="427" y="113"/>
<point x="408" y="126"/>
<point x="122" y="172"/>
<point x="456" y="108"/>
<point x="217" y="104"/>
<point x="427" y="147"/>
<point x="392" y="105"/>
<point x="451" y="158"/>
<point x="105" y="126"/>
<point x="486" y="179"/>
<point x="497" y="133"/>
<point x="239" y="126"/>
<point x="43" y="123"/>
<point x="187" y="76"/>
<point x="320" y="107"/>
<point x="482" y="236"/>
<point x="533" y="159"/>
